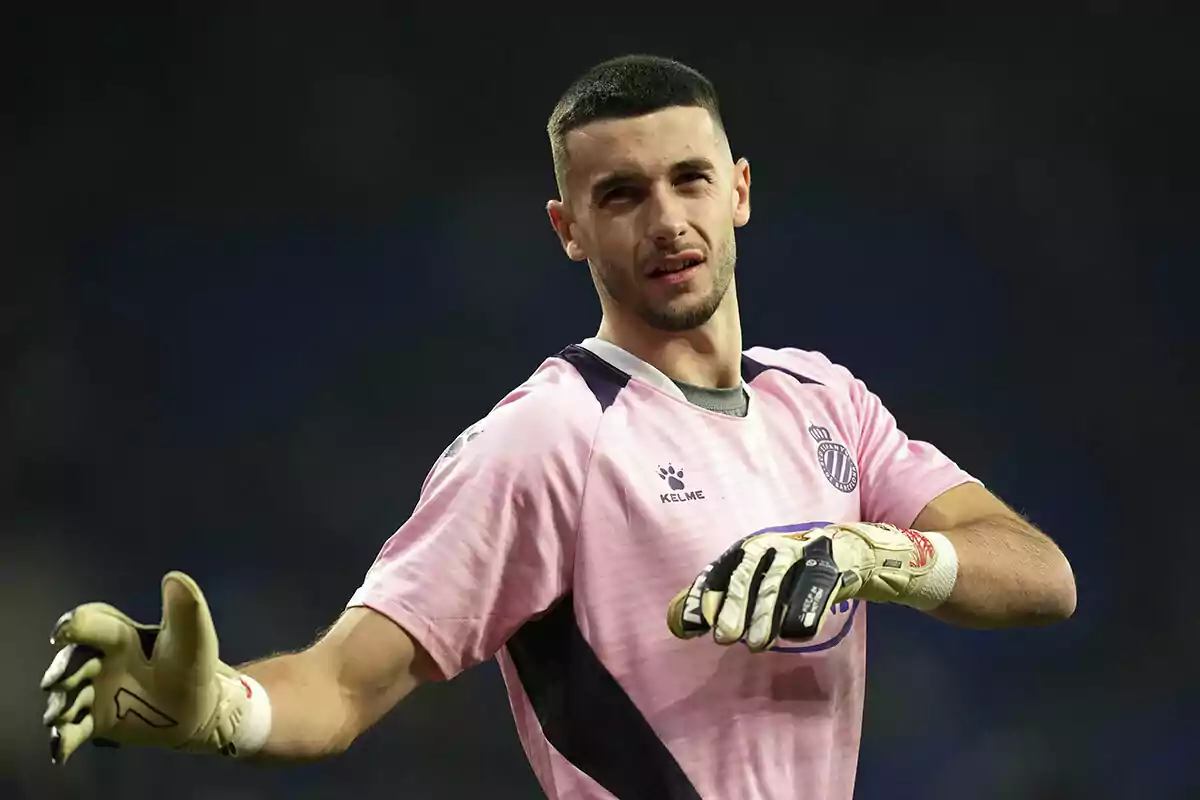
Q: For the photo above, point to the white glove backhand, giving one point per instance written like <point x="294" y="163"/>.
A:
<point x="120" y="682"/>
<point x="781" y="585"/>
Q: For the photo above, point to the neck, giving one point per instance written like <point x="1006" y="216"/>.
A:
<point x="709" y="356"/>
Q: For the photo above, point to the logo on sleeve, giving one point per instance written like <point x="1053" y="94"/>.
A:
<point x="457" y="445"/>
<point x="674" y="479"/>
<point x="835" y="460"/>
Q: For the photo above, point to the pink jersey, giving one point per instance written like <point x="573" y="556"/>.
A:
<point x="553" y="534"/>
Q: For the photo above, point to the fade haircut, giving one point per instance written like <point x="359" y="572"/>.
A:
<point x="624" y="87"/>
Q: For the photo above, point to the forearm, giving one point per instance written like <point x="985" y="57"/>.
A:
<point x="1009" y="575"/>
<point x="310" y="717"/>
<point x="324" y="697"/>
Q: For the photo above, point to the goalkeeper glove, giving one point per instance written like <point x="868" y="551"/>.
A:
<point x="119" y="682"/>
<point x="782" y="585"/>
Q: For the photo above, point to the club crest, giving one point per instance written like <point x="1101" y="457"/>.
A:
<point x="835" y="460"/>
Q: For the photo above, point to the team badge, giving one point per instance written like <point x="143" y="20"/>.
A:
<point x="835" y="460"/>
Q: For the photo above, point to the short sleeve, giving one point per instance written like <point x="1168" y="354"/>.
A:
<point x="490" y="542"/>
<point x="899" y="476"/>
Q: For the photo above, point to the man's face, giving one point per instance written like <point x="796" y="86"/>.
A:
<point x="652" y="203"/>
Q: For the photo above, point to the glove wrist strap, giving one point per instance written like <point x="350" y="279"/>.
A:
<point x="241" y="722"/>
<point x="252" y="723"/>
<point x="930" y="590"/>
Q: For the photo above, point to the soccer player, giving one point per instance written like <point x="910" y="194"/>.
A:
<point x="666" y="540"/>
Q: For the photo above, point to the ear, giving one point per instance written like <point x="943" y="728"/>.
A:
<point x="560" y="218"/>
<point x="741" y="193"/>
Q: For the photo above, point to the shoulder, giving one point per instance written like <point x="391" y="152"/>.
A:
<point x="806" y="365"/>
<point x="550" y="416"/>
<point x="553" y="401"/>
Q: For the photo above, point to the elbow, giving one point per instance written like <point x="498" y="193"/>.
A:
<point x="1056" y="601"/>
<point x="337" y="743"/>
<point x="1062" y="605"/>
<point x="353" y="726"/>
<point x="340" y="745"/>
<point x="1028" y="603"/>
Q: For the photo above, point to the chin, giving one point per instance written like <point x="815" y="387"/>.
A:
<point x="681" y="317"/>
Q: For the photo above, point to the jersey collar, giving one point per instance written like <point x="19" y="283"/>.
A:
<point x="634" y="367"/>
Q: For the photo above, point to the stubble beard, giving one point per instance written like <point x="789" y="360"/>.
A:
<point x="672" y="317"/>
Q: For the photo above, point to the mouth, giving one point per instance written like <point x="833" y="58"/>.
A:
<point x="676" y="265"/>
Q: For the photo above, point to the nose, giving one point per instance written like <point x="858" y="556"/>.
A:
<point x="667" y="218"/>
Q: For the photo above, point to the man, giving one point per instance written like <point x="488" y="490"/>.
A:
<point x="649" y="485"/>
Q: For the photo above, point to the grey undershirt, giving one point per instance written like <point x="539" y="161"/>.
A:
<point x="733" y="401"/>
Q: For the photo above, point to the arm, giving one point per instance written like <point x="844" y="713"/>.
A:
<point x="497" y="511"/>
<point x="482" y="552"/>
<point x="125" y="683"/>
<point x="1010" y="574"/>
<point x="971" y="561"/>
<point x="992" y="569"/>
<point x="324" y="697"/>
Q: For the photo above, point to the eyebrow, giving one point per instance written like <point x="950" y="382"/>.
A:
<point x="626" y="176"/>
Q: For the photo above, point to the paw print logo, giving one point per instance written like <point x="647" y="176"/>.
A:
<point x="672" y="476"/>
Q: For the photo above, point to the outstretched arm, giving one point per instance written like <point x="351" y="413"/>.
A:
<point x="501" y="502"/>
<point x="324" y="697"/>
<point x="121" y="682"/>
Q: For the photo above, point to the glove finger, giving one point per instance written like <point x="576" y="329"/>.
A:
<point x="787" y="589"/>
<point x="710" y="606"/>
<point x="812" y="593"/>
<point x="685" y="615"/>
<point x="731" y="621"/>
<point x="683" y="618"/>
<point x="694" y="611"/>
<point x="72" y="665"/>
<point x="67" y="661"/>
<point x="675" y="612"/>
<point x="769" y="606"/>
<point x="69" y="707"/>
<point x="717" y="574"/>
<point x="54" y="706"/>
<point x="66" y="739"/>
<point x="96" y="624"/>
<point x="188" y="641"/>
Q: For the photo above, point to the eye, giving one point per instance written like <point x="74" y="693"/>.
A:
<point x="619" y="194"/>
<point x="687" y="178"/>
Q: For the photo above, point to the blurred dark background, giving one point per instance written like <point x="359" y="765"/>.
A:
<point x="260" y="267"/>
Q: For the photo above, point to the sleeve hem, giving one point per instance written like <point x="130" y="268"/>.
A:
<point x="912" y="508"/>
<point x="416" y="625"/>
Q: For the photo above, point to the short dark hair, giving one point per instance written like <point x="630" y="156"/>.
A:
<point x="623" y="87"/>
